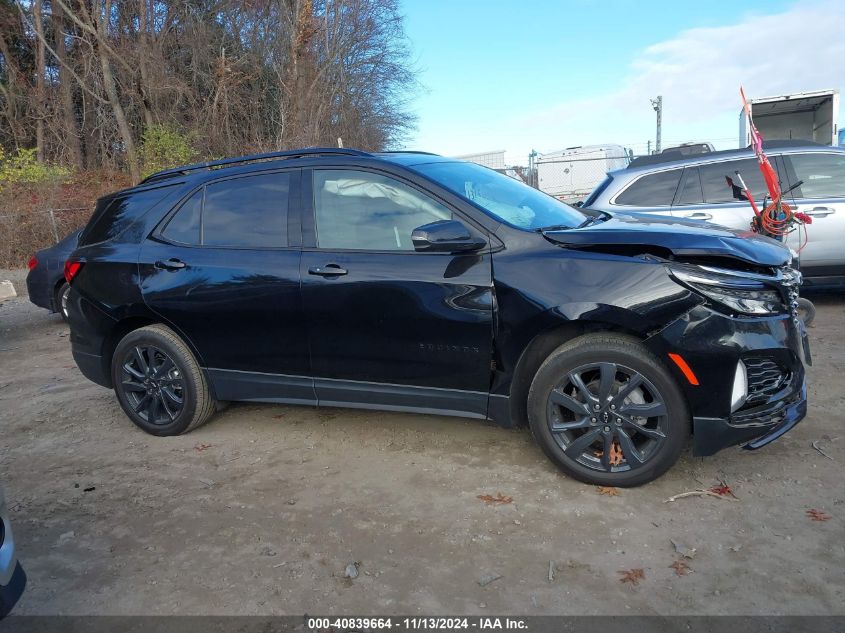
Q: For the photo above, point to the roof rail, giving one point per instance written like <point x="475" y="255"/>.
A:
<point x="225" y="162"/>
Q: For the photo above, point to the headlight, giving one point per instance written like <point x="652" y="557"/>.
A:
<point x="740" y="294"/>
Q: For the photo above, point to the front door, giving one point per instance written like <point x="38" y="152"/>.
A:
<point x="388" y="326"/>
<point x="224" y="271"/>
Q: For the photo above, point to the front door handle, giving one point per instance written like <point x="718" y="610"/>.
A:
<point x="329" y="270"/>
<point x="171" y="264"/>
<point x="699" y="216"/>
<point x="820" y="212"/>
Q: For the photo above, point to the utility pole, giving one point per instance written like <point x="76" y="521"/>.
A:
<point x="657" y="104"/>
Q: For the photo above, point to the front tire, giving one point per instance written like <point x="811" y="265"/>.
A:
<point x="159" y="383"/>
<point x="607" y="412"/>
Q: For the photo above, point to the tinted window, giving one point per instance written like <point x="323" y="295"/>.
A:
<point x="654" y="190"/>
<point x="502" y="197"/>
<point x="823" y="175"/>
<point x="246" y="212"/>
<point x="361" y="210"/>
<point x="113" y="215"/>
<point x="691" y="189"/>
<point x="185" y="225"/>
<point x="717" y="189"/>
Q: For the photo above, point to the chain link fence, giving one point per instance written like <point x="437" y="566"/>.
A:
<point x="25" y="232"/>
<point x="572" y="178"/>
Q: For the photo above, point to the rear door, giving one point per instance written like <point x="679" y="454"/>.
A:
<point x="389" y="326"/>
<point x="822" y="197"/>
<point x="223" y="270"/>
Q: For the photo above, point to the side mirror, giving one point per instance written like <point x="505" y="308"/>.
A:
<point x="445" y="236"/>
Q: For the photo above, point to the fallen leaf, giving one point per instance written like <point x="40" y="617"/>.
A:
<point x="499" y="498"/>
<point x="608" y="491"/>
<point x="680" y="567"/>
<point x="633" y="576"/>
<point x="723" y="490"/>
<point x="817" y="515"/>
<point x="279" y="416"/>
<point x="199" y="448"/>
<point x="683" y="550"/>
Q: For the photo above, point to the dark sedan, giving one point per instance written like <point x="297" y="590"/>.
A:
<point x="46" y="279"/>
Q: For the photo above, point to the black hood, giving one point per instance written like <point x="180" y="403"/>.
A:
<point x="682" y="238"/>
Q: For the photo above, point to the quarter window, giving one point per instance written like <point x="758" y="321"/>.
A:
<point x="823" y="175"/>
<point x="248" y="212"/>
<point x="184" y="227"/>
<point x="654" y="190"/>
<point x="367" y="211"/>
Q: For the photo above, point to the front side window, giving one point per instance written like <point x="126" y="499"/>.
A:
<point x="654" y="190"/>
<point x="366" y="211"/>
<point x="249" y="212"/>
<point x="720" y="184"/>
<point x="823" y="175"/>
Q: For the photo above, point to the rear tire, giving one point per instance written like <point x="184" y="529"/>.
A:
<point x="159" y="383"/>
<point x="607" y="412"/>
<point x="61" y="300"/>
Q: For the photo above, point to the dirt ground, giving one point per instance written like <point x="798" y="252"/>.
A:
<point x="261" y="510"/>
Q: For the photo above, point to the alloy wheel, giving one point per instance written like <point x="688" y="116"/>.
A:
<point x="152" y="384"/>
<point x="63" y="302"/>
<point x="607" y="417"/>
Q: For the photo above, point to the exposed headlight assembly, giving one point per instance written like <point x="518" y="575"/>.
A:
<point x="739" y="293"/>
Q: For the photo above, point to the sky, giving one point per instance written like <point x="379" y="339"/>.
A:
<point x="546" y="74"/>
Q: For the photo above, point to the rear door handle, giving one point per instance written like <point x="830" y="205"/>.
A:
<point x="329" y="270"/>
<point x="171" y="264"/>
<point x="820" y="212"/>
<point x="699" y="216"/>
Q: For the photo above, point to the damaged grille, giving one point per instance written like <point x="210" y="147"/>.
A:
<point x="765" y="378"/>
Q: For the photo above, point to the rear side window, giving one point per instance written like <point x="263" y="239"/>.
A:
<point x="113" y="215"/>
<point x="714" y="181"/>
<point x="823" y="175"/>
<point x="248" y="212"/>
<point x="654" y="190"/>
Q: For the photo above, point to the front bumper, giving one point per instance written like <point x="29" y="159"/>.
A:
<point x="711" y="435"/>
<point x="712" y="343"/>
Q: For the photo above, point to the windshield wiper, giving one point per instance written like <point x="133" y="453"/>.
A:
<point x="594" y="219"/>
<point x="554" y="227"/>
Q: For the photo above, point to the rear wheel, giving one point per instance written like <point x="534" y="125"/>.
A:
<point x="61" y="300"/>
<point x="607" y="412"/>
<point x="159" y="383"/>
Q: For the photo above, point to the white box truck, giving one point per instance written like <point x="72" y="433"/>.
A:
<point x="570" y="174"/>
<point x="803" y="116"/>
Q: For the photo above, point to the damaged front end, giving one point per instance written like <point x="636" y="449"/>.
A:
<point x="748" y="350"/>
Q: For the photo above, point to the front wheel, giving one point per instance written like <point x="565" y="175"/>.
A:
<point x="607" y="412"/>
<point x="159" y="383"/>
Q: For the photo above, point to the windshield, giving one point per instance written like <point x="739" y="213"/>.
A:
<point x="504" y="198"/>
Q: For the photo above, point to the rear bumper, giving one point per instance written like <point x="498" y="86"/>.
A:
<point x="11" y="592"/>
<point x="39" y="289"/>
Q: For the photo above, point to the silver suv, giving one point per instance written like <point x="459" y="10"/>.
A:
<point x="694" y="187"/>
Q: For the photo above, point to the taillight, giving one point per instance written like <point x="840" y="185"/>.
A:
<point x="32" y="263"/>
<point x="71" y="270"/>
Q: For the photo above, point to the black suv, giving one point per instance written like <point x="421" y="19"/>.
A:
<point x="412" y="282"/>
